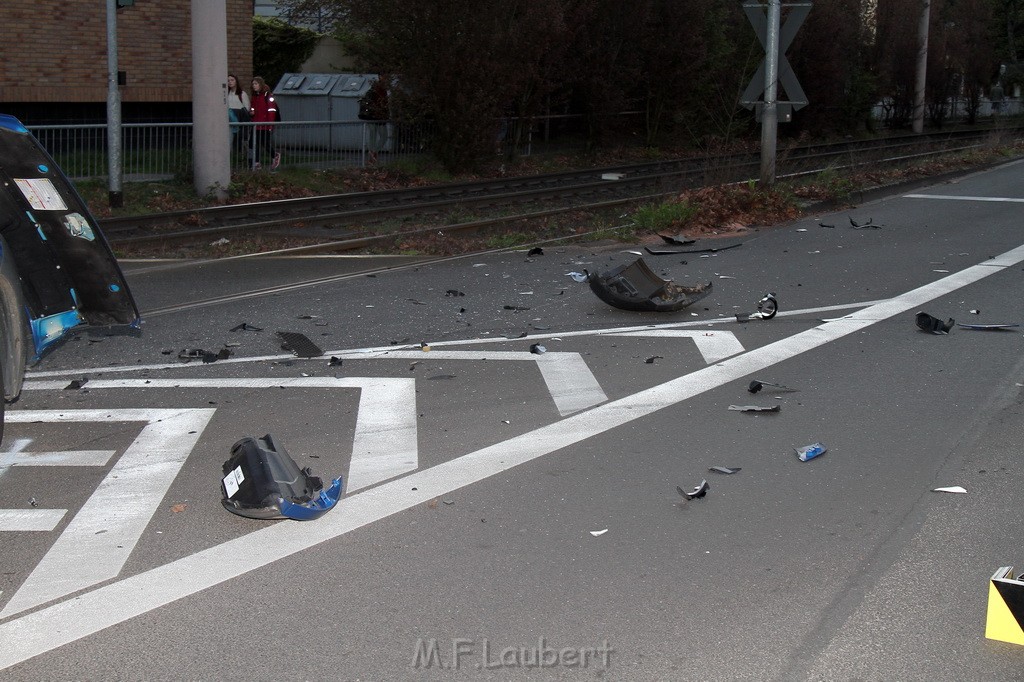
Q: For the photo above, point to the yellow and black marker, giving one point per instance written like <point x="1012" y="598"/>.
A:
<point x="1005" y="619"/>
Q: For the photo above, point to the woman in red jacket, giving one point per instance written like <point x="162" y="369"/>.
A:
<point x="263" y="107"/>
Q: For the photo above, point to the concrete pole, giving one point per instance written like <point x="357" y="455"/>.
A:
<point x="115" y="196"/>
<point x="922" y="65"/>
<point x="211" y="150"/>
<point x="770" y="112"/>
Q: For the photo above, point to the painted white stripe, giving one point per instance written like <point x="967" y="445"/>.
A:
<point x="68" y="621"/>
<point x="714" y="346"/>
<point x="70" y="458"/>
<point x="385" y="444"/>
<point x="101" y="536"/>
<point x="950" y="197"/>
<point x="30" y="519"/>
<point x="113" y="369"/>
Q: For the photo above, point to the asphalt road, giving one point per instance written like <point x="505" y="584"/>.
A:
<point x="514" y="515"/>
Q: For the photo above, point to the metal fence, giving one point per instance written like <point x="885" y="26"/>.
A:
<point x="158" y="151"/>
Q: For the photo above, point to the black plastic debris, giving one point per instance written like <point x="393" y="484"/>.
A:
<point x="861" y="226"/>
<point x="725" y="470"/>
<point x="76" y="384"/>
<point x="755" y="408"/>
<point x="415" y="301"/>
<point x="246" y="327"/>
<point x="650" y="360"/>
<point x="988" y="327"/>
<point x="516" y="307"/>
<point x="700" y="491"/>
<point x="710" y="249"/>
<point x="756" y="385"/>
<point x="453" y="293"/>
<point x="222" y="354"/>
<point x="261" y="481"/>
<point x="204" y="355"/>
<point x="767" y="306"/>
<point x="933" y="325"/>
<point x="299" y="344"/>
<point x="335" y="361"/>
<point x="680" y="241"/>
<point x="440" y="377"/>
<point x="535" y="251"/>
<point x="538" y="349"/>
<point x="636" y="287"/>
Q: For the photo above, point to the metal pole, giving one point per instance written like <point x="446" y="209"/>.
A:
<point x="211" y="147"/>
<point x="770" y="113"/>
<point x="115" y="196"/>
<point x="922" y="65"/>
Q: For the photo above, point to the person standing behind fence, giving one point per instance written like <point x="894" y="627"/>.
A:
<point x="238" y="111"/>
<point x="263" y="108"/>
<point x="373" y="108"/>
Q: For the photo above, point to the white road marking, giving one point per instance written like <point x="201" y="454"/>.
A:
<point x="112" y="369"/>
<point x="69" y="458"/>
<point x="30" y="519"/>
<point x="101" y="536"/>
<point x="71" y="620"/>
<point x="714" y="346"/>
<point x="949" y="197"/>
<point x="385" y="443"/>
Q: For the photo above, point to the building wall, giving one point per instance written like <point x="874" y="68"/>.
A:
<point x="56" y="50"/>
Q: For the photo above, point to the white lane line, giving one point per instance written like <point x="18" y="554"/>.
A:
<point x="98" y="540"/>
<point x="71" y="620"/>
<point x="69" y="458"/>
<point x="438" y="344"/>
<point x="950" y="197"/>
<point x="714" y="346"/>
<point x="30" y="519"/>
<point x="386" y="441"/>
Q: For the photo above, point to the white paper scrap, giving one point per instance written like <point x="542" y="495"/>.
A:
<point x="950" y="489"/>
<point x="595" y="533"/>
<point x="232" y="481"/>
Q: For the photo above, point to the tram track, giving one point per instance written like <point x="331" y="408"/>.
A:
<point x="357" y="220"/>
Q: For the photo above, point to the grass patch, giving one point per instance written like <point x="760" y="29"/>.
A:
<point x="660" y="217"/>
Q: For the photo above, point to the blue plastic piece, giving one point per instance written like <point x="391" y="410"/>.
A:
<point x="48" y="330"/>
<point x="11" y="123"/>
<point x="810" y="451"/>
<point x="315" y="508"/>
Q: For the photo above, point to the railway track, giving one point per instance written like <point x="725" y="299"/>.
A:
<point x="355" y="220"/>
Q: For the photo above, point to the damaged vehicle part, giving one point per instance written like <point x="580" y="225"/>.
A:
<point x="756" y="385"/>
<point x="725" y="470"/>
<point x="755" y="408"/>
<point x="299" y="344"/>
<point x="810" y="451"/>
<point x="636" y="287"/>
<point x="261" y="481"/>
<point x="698" y="492"/>
<point x="57" y="271"/>
<point x="933" y="325"/>
<point x="988" y="327"/>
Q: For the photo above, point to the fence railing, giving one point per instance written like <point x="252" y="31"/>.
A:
<point x="154" y="151"/>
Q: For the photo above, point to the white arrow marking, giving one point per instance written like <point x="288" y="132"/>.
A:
<point x="71" y="620"/>
<point x="385" y="443"/>
<point x="714" y="346"/>
<point x="97" y="542"/>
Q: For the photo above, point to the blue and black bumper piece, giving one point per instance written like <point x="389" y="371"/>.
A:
<point x="261" y="481"/>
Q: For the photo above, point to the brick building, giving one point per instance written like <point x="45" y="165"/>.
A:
<point x="53" y="67"/>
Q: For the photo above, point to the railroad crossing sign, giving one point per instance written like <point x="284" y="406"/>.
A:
<point x="758" y="19"/>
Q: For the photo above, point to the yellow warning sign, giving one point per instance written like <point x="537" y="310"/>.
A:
<point x="1005" y="619"/>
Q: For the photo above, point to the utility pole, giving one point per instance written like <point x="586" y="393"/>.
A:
<point x="211" y="149"/>
<point x="922" y="65"/>
<point x="770" y="113"/>
<point x="114" y="196"/>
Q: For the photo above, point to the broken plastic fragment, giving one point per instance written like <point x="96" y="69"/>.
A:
<point x="454" y="292"/>
<point x="650" y="360"/>
<point x="299" y="344"/>
<point x="636" y="287"/>
<point x="596" y="533"/>
<point x="535" y="251"/>
<point x="724" y="470"/>
<point x="700" y="491"/>
<point x="756" y="385"/>
<point x="335" y="361"/>
<point x="755" y="408"/>
<point x="987" y="327"/>
<point x="681" y="241"/>
<point x="934" y="325"/>
<point x="810" y="451"/>
<point x="246" y="327"/>
<point x="578" y="276"/>
<point x="950" y="489"/>
<point x="261" y="481"/>
<point x="76" y="384"/>
<point x="767" y="307"/>
<point x="538" y="349"/>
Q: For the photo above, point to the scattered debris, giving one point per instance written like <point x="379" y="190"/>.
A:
<point x="974" y="312"/>
<point x="650" y="360"/>
<point x="424" y="346"/>
<point x="535" y="251"/>
<point x="710" y="249"/>
<point x="860" y="226"/>
<point x="438" y="377"/>
<point x="824" y="225"/>
<point x="988" y="327"/>
<point x="453" y="293"/>
<point x="538" y="349"/>
<point x="725" y="470"/>
<point x="204" y="355"/>
<point x="810" y="451"/>
<point x="636" y="287"/>
<point x="596" y="533"/>
<point x="299" y="344"/>
<point x="681" y="241"/>
<point x="700" y="491"/>
<point x="766" y="309"/>
<point x="178" y="508"/>
<point x="516" y="307"/>
<point x="755" y="408"/>
<point x="335" y="361"/>
<point x="32" y="502"/>
<point x="950" y="489"/>
<point x="934" y="325"/>
<point x="76" y="384"/>
<point x="447" y="500"/>
<point x="261" y="481"/>
<point x="223" y="241"/>
<point x="415" y="301"/>
<point x="578" y="276"/>
<point x="246" y="327"/>
<point x="756" y="385"/>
